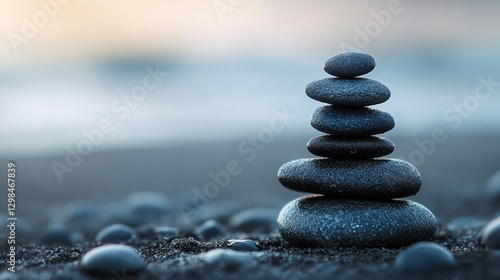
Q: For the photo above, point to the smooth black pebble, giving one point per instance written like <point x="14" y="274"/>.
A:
<point x="211" y="230"/>
<point x="112" y="260"/>
<point x="349" y="64"/>
<point x="116" y="233"/>
<point x="242" y="245"/>
<point x="324" y="221"/>
<point x="56" y="235"/>
<point x="492" y="188"/>
<point x="348" y="92"/>
<point x="350" y="147"/>
<point x="490" y="235"/>
<point x="351" y="121"/>
<point x="227" y="258"/>
<point x="425" y="257"/>
<point x="365" y="178"/>
<point x="83" y="216"/>
<point x="146" y="206"/>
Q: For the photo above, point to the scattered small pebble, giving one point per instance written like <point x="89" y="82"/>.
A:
<point x="83" y="216"/>
<point x="147" y="206"/>
<point x="211" y="230"/>
<point x="56" y="234"/>
<point x="116" y="233"/>
<point x="463" y="222"/>
<point x="262" y="220"/>
<point x="349" y="64"/>
<point x="226" y="258"/>
<point x="112" y="260"/>
<point x="492" y="188"/>
<point x="80" y="213"/>
<point x="490" y="235"/>
<point x="425" y="257"/>
<point x="242" y="245"/>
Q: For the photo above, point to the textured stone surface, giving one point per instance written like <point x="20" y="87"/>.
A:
<point x="490" y="235"/>
<point x="350" y="147"/>
<point x="112" y="260"/>
<point x="349" y="64"/>
<point x="373" y="178"/>
<point x="424" y="257"/>
<point x="348" y="92"/>
<point x="351" y="121"/>
<point x="336" y="222"/>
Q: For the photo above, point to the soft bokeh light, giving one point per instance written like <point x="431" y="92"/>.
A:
<point x="230" y="63"/>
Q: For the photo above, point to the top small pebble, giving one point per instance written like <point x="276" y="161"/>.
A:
<point x="349" y="64"/>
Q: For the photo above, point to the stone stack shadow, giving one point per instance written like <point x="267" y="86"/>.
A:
<point x="358" y="193"/>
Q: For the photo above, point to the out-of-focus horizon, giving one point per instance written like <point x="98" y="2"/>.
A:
<point x="65" y="67"/>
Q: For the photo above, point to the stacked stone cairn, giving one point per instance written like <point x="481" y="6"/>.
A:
<point x="357" y="199"/>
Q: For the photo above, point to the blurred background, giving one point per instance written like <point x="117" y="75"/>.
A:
<point x="102" y="99"/>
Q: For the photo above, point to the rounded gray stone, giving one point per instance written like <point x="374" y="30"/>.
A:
<point x="324" y="221"/>
<point x="350" y="147"/>
<point x="115" y="233"/>
<point x="56" y="234"/>
<point x="424" y="257"/>
<point x="351" y="121"/>
<point x="490" y="234"/>
<point x="348" y="92"/>
<point x="349" y="64"/>
<point x="368" y="178"/>
<point x="109" y="260"/>
<point x="242" y="245"/>
<point x="492" y="188"/>
<point x="146" y="207"/>
<point x="211" y="230"/>
<point x="227" y="258"/>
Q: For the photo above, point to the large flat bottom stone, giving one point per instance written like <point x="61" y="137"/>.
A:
<point x="321" y="221"/>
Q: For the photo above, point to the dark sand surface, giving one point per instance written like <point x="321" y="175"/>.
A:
<point x="453" y="179"/>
